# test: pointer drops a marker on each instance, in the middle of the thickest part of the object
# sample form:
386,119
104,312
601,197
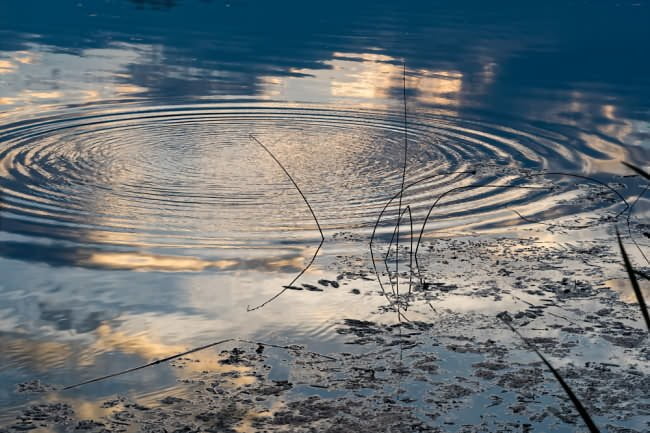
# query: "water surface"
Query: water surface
139,218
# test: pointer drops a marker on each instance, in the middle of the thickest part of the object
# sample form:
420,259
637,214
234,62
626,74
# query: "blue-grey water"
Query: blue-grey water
139,218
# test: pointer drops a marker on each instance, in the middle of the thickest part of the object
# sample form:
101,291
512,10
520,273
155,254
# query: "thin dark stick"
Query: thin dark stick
322,236
401,191
634,281
567,389
637,170
331,358
1,206
188,352
644,174
411,253
159,361
629,228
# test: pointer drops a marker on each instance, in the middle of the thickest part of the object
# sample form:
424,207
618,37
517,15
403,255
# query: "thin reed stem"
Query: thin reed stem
565,386
313,214
634,282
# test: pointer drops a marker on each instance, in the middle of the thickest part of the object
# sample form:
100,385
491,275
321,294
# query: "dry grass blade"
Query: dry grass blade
140,367
401,191
313,214
187,352
637,170
567,389
635,283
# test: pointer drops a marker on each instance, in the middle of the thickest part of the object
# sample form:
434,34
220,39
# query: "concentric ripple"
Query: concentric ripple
190,177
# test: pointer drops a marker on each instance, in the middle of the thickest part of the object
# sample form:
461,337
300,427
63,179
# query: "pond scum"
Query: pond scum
399,299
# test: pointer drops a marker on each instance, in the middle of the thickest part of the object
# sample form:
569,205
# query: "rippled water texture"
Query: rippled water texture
139,217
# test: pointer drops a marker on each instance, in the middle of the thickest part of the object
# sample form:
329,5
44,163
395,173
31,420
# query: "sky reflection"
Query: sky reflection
139,219
499,60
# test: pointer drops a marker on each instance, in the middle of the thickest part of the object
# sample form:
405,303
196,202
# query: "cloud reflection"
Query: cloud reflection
367,79
59,255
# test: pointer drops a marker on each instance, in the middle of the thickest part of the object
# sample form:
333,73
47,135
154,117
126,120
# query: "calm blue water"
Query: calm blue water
139,218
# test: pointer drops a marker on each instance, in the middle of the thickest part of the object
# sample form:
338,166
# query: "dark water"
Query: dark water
139,218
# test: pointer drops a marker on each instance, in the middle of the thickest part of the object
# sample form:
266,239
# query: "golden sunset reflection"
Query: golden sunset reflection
624,288
25,57
44,356
368,76
150,262
84,408
7,67
369,80
39,356
439,87
148,348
